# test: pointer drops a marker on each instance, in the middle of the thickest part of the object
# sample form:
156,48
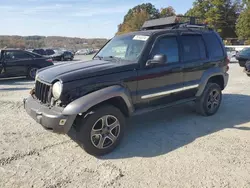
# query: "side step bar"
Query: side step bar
151,109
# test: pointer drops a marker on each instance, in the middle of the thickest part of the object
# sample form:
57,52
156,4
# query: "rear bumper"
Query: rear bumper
50,118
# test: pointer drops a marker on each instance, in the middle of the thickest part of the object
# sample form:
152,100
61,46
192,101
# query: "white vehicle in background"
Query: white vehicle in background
86,51
82,52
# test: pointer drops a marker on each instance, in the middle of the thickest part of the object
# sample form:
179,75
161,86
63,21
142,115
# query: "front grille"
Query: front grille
42,91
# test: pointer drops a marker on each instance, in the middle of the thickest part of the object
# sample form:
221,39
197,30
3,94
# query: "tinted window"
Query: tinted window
193,48
17,55
167,46
40,51
214,45
50,52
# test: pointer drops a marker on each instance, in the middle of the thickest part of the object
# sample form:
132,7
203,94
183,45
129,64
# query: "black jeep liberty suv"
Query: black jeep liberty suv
164,64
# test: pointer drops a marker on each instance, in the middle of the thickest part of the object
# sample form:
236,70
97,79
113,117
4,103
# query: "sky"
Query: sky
72,18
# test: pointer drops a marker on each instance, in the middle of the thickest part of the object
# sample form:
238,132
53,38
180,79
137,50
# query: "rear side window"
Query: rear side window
213,43
193,48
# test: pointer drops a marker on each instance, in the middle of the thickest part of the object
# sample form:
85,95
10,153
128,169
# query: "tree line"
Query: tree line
230,18
30,42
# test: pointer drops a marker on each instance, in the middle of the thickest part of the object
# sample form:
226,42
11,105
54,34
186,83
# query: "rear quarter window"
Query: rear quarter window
193,48
214,45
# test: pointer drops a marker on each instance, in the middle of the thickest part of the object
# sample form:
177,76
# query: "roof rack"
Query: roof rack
174,22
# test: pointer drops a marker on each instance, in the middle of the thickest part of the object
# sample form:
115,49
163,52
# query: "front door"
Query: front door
161,84
16,63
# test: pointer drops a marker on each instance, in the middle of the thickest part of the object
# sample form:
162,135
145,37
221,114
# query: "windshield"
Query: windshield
245,51
124,47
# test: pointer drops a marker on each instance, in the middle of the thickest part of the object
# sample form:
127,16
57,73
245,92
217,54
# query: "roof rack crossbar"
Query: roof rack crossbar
173,22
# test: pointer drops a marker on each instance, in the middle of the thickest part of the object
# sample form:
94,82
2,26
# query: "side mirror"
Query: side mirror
158,59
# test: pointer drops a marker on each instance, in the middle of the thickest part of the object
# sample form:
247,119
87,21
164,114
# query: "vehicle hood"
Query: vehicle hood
80,70
241,56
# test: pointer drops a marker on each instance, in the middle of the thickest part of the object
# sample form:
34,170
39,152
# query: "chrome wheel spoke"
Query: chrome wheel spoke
104,121
216,102
101,142
96,132
216,95
209,103
111,137
114,125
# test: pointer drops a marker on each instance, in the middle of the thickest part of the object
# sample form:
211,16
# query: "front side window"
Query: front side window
167,46
193,48
126,48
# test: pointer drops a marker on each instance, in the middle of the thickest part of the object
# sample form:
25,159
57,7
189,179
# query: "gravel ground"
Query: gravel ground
169,148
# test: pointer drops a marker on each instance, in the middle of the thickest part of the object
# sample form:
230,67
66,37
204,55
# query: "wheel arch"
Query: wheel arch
117,96
212,76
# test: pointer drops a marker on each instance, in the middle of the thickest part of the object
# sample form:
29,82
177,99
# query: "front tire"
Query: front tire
101,131
209,102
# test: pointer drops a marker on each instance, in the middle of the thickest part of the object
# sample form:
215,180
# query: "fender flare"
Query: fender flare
206,76
84,103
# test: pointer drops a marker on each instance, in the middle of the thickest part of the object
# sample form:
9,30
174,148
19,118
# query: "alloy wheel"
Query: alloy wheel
105,132
213,101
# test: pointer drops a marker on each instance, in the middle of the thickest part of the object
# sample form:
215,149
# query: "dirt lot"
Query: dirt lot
170,148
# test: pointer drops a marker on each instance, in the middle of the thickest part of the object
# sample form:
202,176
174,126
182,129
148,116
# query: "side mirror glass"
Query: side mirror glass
158,59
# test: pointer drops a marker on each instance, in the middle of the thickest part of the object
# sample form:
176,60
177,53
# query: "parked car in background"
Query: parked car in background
82,52
50,52
16,63
62,56
40,51
244,59
86,51
243,56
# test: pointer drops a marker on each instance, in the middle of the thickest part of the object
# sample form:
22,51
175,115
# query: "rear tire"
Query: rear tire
209,102
62,58
32,73
102,131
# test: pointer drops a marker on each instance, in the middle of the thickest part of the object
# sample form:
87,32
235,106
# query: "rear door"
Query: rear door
17,62
195,61
161,84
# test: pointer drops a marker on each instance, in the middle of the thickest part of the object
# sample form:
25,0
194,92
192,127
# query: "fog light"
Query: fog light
62,122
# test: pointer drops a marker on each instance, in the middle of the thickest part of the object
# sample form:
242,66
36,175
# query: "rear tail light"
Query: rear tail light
227,63
49,60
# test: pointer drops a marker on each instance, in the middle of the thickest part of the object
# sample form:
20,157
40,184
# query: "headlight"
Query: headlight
57,90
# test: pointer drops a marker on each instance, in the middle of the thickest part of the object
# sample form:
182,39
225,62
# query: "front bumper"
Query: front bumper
50,118
247,72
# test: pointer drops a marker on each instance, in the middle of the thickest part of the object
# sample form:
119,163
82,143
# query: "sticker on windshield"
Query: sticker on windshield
140,37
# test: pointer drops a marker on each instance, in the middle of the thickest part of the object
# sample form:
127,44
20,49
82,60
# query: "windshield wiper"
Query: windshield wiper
113,58
99,57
